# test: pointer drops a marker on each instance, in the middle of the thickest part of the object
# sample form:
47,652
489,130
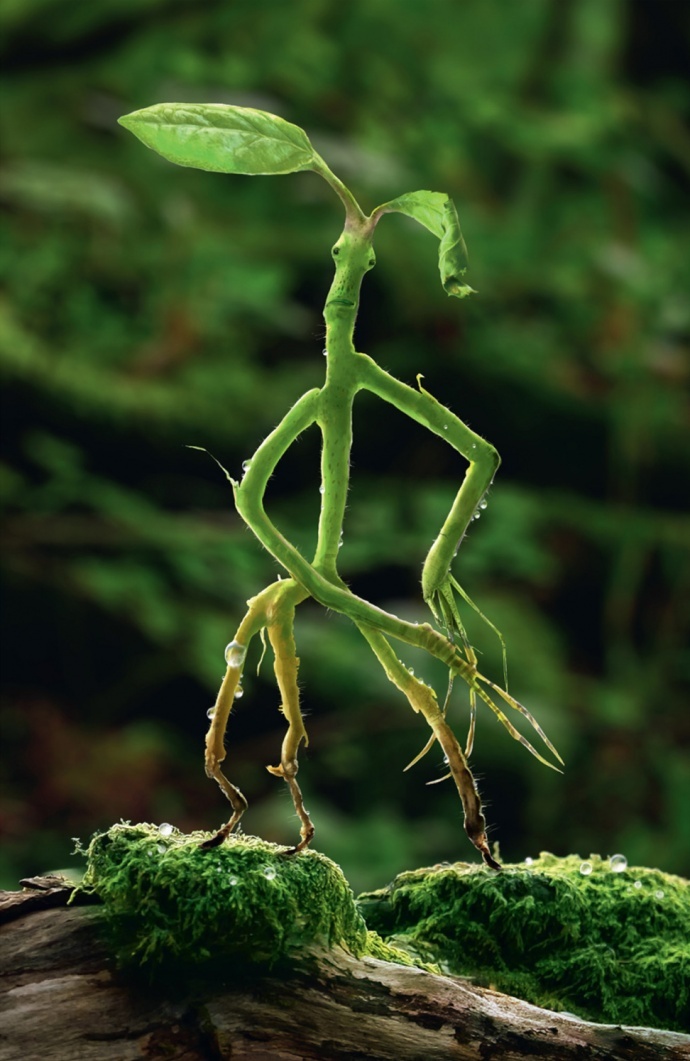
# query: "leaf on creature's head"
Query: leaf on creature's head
437,213
222,139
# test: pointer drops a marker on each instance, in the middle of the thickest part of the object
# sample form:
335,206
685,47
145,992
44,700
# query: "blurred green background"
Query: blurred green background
144,307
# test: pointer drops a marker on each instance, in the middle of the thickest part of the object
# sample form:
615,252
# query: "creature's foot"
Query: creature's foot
221,836
306,838
287,771
482,846
214,841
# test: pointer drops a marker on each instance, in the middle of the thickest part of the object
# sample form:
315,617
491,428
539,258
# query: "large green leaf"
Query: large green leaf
222,138
437,212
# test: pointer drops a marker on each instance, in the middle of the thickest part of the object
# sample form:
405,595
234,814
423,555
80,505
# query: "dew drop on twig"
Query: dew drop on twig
234,654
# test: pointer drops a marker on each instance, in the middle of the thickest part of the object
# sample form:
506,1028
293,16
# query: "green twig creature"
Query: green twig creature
230,139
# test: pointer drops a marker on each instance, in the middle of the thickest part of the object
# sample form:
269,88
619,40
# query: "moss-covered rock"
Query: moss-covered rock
606,941
169,902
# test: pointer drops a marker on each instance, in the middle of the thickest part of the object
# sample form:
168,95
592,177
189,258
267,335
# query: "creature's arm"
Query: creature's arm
483,458
249,496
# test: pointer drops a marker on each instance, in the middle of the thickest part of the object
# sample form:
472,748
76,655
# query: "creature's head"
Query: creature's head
354,256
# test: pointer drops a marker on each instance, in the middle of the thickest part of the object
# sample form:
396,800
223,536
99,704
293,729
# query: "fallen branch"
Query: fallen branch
62,997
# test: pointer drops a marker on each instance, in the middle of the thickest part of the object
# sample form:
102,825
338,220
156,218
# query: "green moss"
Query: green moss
387,951
167,902
609,946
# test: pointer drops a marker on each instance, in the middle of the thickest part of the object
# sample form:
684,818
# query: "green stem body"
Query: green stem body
331,408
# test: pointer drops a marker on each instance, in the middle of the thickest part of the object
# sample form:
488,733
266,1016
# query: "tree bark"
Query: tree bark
62,998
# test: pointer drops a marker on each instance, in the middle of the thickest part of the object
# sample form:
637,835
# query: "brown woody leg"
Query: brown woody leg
260,614
281,635
422,699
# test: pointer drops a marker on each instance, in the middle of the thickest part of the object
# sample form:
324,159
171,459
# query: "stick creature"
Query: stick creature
230,139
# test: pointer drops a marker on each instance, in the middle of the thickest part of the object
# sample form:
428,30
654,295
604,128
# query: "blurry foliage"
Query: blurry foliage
143,307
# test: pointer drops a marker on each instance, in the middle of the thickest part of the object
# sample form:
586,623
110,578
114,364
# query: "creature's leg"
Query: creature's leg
281,636
258,617
423,699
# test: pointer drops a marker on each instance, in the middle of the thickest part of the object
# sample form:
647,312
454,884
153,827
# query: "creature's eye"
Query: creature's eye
336,250
372,263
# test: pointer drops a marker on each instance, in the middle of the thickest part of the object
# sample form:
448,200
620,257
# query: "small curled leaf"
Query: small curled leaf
222,138
437,213
452,254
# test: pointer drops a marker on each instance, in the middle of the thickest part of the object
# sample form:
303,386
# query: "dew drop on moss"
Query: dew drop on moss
618,863
269,873
586,868
658,894
165,829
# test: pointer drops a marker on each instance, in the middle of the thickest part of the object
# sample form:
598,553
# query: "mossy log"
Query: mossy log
62,997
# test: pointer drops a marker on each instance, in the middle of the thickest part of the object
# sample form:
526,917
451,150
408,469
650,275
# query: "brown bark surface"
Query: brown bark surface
61,997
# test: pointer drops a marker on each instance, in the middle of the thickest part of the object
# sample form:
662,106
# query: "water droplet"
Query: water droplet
483,505
322,489
618,863
658,894
586,868
161,849
246,465
445,427
234,654
411,671
166,829
477,515
324,351
211,712
529,861
340,544
239,693
637,884
474,445
232,879
269,873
